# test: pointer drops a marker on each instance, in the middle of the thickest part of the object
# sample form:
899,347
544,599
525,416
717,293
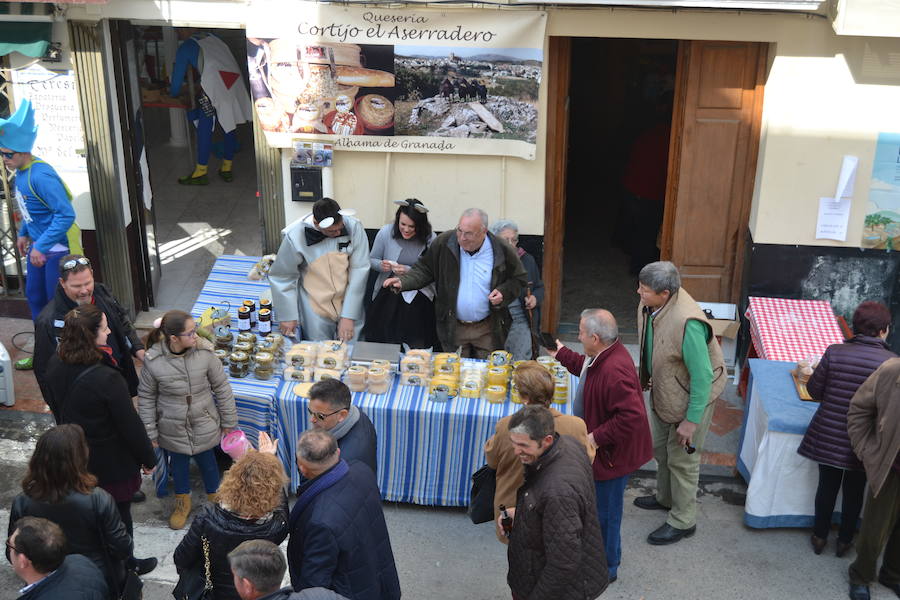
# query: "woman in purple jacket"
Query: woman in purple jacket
843,368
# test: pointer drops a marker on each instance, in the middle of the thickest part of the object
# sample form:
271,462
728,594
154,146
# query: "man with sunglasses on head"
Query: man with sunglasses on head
76,286
330,409
45,206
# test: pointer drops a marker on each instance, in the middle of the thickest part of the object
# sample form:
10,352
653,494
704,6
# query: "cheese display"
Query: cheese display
417,379
302,355
379,380
302,374
500,358
495,394
322,374
356,378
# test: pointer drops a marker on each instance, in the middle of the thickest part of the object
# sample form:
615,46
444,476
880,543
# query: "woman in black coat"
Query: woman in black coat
59,488
86,387
250,505
843,368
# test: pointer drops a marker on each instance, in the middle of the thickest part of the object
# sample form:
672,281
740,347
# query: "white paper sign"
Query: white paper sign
55,100
833,218
834,213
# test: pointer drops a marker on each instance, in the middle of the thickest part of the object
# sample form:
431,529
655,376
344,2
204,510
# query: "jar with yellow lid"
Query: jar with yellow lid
264,365
245,347
238,364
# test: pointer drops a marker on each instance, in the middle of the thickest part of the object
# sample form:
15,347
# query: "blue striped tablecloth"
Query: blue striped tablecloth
227,284
427,451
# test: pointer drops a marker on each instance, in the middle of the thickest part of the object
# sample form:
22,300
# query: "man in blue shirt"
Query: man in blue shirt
45,205
478,275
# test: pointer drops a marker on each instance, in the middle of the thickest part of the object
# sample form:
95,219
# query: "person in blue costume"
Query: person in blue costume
222,97
45,205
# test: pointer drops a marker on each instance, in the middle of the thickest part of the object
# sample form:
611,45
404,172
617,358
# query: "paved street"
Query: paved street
440,554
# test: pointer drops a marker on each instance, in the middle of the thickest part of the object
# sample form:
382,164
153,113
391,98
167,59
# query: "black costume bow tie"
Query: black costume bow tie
314,236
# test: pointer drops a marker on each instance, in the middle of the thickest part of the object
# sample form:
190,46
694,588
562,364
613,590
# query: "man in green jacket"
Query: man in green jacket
477,276
681,364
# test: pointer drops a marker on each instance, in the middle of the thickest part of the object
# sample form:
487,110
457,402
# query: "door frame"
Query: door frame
559,64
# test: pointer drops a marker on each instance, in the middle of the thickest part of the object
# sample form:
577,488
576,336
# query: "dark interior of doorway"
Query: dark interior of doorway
196,224
620,113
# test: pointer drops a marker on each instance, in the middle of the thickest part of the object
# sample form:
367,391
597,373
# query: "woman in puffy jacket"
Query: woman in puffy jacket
59,488
842,369
251,505
186,404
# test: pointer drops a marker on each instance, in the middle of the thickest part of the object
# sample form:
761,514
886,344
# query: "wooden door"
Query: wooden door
712,164
559,68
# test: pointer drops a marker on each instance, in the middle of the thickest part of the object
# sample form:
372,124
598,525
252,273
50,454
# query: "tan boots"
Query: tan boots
181,511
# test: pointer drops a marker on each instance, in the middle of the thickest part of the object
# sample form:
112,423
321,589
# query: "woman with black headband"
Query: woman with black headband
407,317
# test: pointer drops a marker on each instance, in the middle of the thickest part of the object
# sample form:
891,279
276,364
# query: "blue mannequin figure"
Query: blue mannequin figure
222,97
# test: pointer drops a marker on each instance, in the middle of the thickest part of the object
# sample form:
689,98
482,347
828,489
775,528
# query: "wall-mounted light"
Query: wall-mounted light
54,52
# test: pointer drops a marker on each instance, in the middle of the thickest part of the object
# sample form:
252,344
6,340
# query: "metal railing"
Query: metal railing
12,277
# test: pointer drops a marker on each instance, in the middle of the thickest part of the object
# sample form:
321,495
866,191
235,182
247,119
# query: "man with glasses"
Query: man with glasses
478,275
330,409
36,549
76,286
45,205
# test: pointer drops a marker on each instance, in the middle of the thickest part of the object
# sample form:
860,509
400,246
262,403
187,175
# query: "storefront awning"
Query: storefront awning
805,5
30,39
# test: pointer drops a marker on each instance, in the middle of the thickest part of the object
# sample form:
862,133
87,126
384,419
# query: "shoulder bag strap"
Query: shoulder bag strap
207,571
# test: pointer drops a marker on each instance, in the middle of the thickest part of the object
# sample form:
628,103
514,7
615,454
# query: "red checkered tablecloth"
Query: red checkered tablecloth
792,330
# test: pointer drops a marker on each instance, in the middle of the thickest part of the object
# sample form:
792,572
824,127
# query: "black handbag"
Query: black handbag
120,576
481,506
195,583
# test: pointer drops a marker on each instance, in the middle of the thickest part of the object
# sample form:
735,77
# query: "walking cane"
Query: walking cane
530,313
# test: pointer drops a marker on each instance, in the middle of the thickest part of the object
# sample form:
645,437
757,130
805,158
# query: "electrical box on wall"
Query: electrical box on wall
306,184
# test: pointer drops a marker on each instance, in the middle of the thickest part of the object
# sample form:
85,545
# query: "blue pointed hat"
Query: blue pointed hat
19,131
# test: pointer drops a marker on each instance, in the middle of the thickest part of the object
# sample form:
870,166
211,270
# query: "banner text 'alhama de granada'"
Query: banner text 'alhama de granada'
397,80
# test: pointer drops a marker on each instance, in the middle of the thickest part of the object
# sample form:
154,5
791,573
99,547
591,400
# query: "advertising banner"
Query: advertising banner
881,228
397,80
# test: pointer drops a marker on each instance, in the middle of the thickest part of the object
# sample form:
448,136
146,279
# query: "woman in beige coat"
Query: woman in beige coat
535,386
186,404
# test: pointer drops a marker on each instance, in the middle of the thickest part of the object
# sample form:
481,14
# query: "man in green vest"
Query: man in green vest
681,364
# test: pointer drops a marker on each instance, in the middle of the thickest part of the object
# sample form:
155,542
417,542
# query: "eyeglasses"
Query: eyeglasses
191,333
322,416
466,234
12,548
9,155
71,264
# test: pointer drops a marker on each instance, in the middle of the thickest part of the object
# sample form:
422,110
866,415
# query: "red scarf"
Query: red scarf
108,351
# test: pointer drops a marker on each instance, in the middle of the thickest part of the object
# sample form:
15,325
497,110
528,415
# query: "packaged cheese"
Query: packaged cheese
415,379
322,374
500,358
298,374
495,394
413,364
356,379
498,376
302,355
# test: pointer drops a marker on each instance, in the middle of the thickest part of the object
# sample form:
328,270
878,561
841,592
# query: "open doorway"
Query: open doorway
620,107
194,224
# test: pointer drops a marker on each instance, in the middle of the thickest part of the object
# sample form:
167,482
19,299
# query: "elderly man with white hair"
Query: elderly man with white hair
477,276
519,341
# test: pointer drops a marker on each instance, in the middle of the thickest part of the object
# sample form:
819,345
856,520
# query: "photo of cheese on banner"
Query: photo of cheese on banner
326,88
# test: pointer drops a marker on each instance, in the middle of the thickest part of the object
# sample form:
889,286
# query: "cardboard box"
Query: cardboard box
725,326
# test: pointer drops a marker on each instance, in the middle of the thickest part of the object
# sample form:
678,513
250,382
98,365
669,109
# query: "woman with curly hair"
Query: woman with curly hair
251,505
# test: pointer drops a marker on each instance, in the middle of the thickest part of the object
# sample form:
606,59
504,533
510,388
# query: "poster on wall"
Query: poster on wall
881,228
55,100
397,80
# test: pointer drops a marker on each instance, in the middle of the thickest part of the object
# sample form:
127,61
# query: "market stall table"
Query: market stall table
781,484
427,450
